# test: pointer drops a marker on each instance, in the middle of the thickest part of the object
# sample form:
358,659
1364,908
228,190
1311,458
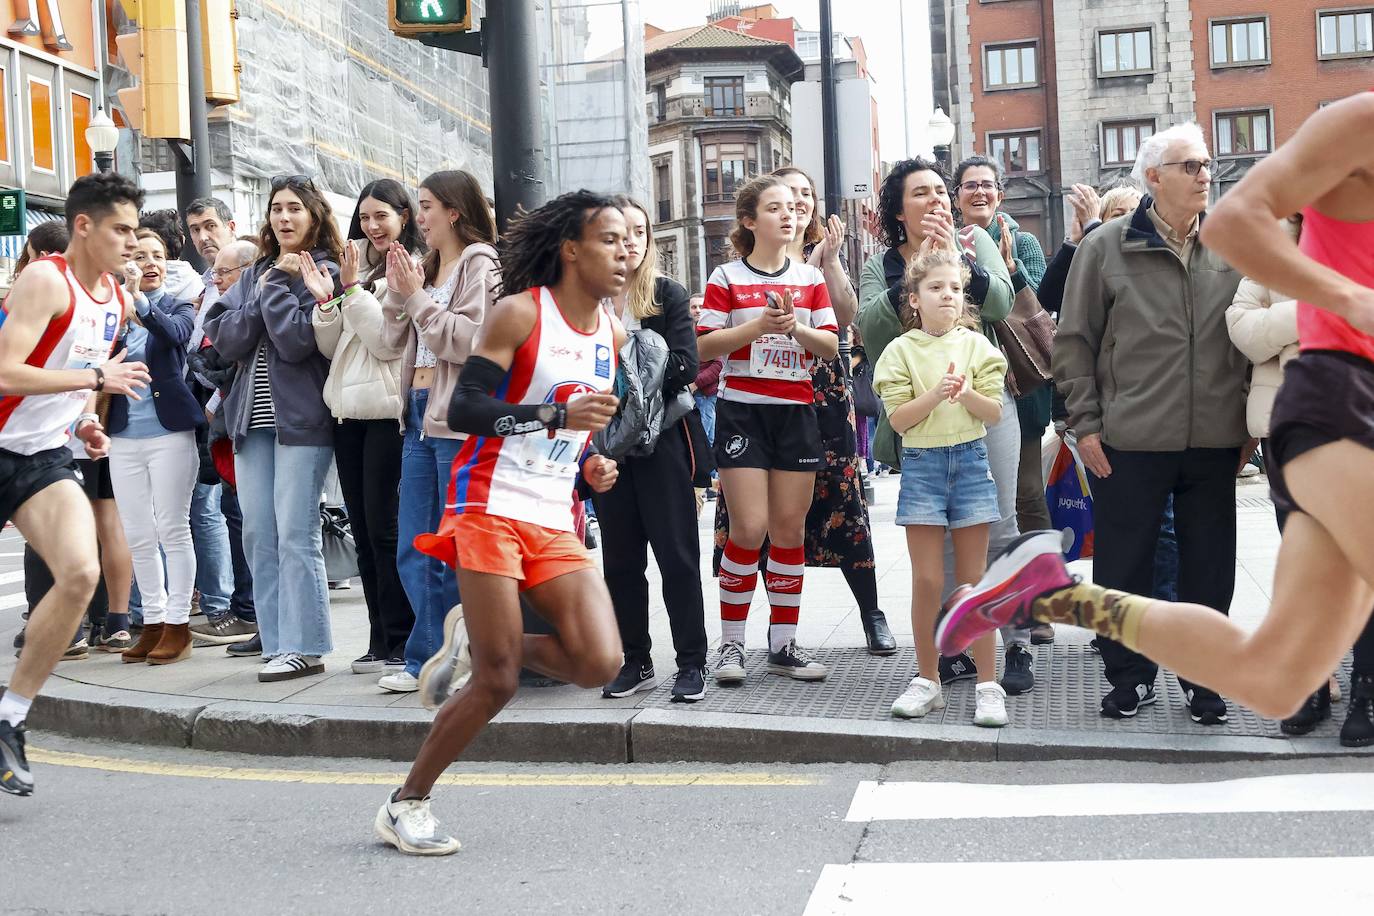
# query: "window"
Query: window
660,102
1240,42
728,165
724,96
667,257
42,136
83,162
1124,53
1243,133
1019,153
1121,140
1009,66
1345,33
4,117
663,191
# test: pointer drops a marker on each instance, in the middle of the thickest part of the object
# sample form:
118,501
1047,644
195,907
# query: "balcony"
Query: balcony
758,106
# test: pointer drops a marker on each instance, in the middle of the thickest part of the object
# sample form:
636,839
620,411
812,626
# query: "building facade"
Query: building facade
719,111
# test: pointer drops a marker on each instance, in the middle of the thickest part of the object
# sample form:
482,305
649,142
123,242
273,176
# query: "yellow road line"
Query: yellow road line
325,777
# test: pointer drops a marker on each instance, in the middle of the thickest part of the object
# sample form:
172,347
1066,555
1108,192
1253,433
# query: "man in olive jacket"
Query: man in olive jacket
1156,394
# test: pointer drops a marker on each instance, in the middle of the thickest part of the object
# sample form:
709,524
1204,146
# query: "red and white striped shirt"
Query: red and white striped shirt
774,369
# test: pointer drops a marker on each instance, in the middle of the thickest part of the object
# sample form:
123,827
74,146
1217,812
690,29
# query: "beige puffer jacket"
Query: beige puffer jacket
364,380
1264,326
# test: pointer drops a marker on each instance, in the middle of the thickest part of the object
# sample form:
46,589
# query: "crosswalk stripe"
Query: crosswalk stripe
10,578
953,800
1118,886
13,601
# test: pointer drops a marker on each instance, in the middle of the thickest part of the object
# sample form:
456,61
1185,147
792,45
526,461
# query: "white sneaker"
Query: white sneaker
410,827
730,665
922,696
290,665
992,705
400,682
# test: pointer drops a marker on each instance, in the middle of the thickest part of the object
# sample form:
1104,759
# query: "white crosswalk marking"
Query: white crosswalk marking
8,602
941,800
1173,885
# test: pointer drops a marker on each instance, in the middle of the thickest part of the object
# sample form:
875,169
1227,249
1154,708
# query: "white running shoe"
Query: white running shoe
400,682
448,670
410,827
992,705
922,696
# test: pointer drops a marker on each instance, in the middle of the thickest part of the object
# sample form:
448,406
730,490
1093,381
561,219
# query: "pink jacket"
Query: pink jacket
448,331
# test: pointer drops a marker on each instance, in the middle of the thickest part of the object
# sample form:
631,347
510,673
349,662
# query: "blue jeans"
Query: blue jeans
426,463
279,492
706,407
214,579
241,603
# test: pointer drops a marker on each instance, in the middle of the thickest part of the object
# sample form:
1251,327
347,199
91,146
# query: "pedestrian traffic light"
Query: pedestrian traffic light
157,105
220,50
413,17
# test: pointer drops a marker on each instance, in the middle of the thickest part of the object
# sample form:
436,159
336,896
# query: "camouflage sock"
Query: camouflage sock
1113,614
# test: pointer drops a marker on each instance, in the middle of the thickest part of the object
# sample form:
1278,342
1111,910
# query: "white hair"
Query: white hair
1151,154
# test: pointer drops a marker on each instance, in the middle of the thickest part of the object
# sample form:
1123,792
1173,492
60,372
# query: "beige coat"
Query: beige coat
364,381
1264,326
447,330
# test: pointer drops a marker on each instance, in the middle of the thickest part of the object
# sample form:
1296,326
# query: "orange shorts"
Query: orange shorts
528,553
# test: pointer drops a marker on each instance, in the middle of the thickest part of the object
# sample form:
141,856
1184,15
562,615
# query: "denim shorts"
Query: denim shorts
950,486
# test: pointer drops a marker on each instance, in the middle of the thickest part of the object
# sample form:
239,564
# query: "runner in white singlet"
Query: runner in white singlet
60,322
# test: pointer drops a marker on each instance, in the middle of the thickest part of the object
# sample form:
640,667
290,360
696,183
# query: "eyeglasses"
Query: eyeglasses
216,273
292,181
1192,166
972,187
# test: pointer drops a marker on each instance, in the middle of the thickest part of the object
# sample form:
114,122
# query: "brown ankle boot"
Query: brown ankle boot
152,633
174,646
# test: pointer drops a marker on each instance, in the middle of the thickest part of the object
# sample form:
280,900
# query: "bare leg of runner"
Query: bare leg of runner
58,524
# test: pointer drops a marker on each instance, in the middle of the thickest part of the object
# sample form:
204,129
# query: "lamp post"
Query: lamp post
941,131
102,136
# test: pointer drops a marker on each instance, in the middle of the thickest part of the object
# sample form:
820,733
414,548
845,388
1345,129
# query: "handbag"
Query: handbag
1027,339
340,553
865,398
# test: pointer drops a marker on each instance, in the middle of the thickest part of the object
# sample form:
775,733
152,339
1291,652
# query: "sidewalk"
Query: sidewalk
215,702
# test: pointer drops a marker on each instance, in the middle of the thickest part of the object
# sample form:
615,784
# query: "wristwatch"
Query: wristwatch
553,416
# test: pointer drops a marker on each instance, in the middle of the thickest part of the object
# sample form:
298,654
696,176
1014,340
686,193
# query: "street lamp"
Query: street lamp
102,136
941,131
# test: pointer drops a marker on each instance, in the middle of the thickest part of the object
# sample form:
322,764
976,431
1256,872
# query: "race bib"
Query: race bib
778,356
554,456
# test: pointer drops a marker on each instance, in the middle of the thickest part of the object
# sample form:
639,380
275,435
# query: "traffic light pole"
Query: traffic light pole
193,159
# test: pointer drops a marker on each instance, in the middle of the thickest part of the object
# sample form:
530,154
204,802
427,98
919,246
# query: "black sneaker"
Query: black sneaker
794,662
1358,730
19,638
959,668
1316,710
635,675
246,649
1124,702
224,630
1018,677
1205,707
689,685
15,777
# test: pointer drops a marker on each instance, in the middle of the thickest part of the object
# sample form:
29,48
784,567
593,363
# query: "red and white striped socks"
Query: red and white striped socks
783,581
739,575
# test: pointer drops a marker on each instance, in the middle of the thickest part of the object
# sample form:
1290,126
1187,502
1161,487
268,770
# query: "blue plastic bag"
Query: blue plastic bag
1070,500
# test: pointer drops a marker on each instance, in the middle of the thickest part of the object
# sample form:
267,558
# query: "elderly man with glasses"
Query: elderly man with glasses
1156,394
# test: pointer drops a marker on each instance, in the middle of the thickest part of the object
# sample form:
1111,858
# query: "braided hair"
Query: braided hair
531,248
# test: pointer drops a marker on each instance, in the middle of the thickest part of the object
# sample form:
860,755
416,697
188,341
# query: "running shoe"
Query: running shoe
730,664
289,666
444,672
116,642
1018,675
15,777
991,710
1029,567
922,696
959,668
1205,706
399,682
689,685
368,664
635,675
1125,702
246,649
224,630
795,662
410,826
77,651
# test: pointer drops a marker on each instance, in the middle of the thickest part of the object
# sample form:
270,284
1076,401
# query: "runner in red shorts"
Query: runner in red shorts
1322,443
535,388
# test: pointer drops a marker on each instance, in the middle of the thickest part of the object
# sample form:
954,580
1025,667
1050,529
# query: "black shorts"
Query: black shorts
1326,396
95,478
773,437
23,476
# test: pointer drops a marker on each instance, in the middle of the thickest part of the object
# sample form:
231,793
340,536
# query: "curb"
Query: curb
615,735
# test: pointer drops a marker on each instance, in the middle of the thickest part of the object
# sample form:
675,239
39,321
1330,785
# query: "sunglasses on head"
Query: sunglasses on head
292,181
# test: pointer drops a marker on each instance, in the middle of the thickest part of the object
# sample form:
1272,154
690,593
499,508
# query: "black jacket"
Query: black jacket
674,324
169,323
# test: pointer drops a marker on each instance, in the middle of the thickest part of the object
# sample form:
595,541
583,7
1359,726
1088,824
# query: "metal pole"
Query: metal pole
104,162
193,173
517,151
829,119
906,98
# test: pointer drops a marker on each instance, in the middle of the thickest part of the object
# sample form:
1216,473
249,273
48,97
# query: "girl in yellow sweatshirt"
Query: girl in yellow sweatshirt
940,383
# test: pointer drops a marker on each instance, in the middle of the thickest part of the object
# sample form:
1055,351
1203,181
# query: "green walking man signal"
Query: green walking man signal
411,17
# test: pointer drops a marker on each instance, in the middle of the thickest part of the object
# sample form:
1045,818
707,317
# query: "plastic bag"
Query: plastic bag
1070,500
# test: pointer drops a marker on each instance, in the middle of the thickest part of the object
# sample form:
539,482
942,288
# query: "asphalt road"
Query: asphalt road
120,829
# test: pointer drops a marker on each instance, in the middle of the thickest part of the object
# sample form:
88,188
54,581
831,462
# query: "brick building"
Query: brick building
1063,91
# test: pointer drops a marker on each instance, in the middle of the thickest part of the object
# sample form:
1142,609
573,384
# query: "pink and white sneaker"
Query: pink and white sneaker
1029,567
